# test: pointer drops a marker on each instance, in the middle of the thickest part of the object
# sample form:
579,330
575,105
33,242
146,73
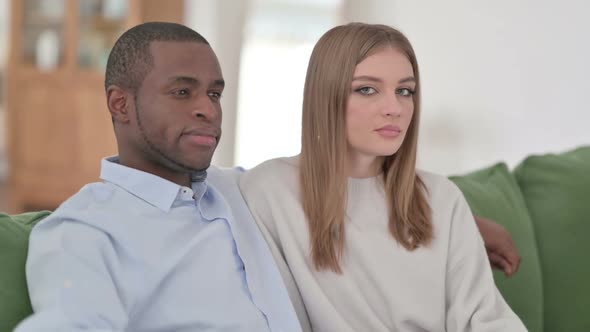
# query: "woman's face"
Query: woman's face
380,106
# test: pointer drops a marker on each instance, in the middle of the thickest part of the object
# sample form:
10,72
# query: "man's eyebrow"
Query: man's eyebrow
194,81
184,79
219,82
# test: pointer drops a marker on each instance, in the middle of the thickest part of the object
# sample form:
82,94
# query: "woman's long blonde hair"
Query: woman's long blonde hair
324,146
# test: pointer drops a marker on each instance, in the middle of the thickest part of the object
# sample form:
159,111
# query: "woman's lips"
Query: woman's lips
389,131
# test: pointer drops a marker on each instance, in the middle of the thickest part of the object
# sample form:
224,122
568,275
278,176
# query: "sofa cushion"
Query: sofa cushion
493,193
556,188
14,238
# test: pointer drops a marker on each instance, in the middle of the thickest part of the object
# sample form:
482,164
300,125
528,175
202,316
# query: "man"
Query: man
160,244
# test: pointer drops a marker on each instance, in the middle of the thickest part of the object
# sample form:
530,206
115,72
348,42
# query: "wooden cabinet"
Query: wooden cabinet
58,124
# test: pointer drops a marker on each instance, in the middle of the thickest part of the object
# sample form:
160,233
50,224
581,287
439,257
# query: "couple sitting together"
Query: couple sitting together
346,236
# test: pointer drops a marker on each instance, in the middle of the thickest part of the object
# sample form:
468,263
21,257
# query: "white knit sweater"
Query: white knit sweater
447,286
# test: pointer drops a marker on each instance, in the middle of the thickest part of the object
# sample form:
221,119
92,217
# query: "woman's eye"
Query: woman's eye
405,92
366,90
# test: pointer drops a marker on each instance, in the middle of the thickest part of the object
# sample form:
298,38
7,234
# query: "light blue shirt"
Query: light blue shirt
139,253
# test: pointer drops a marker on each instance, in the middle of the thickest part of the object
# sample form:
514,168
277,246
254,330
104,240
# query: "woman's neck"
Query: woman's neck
361,166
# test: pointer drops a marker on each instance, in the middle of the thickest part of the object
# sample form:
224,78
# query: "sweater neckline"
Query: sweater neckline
358,186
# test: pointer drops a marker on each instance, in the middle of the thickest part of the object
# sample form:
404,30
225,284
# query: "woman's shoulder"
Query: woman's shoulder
285,166
278,172
438,186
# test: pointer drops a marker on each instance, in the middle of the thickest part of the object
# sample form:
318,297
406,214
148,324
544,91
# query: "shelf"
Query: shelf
41,124
100,22
35,19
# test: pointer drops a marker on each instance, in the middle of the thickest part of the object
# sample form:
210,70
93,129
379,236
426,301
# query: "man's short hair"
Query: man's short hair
130,59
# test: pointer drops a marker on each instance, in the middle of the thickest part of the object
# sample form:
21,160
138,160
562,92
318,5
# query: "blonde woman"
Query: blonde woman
365,241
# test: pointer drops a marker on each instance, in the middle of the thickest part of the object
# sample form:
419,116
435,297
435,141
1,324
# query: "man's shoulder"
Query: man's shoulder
222,174
224,179
89,197
94,205
85,214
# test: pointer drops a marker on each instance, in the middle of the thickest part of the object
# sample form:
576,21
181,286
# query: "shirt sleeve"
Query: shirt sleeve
473,301
260,209
71,274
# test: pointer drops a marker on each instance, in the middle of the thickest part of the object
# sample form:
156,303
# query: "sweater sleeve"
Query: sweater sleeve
473,301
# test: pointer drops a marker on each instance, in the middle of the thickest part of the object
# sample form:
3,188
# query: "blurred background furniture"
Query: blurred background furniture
57,119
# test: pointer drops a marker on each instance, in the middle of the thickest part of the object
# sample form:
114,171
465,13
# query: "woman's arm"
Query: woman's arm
473,302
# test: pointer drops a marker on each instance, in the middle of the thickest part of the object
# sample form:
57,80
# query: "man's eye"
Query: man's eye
182,92
366,90
215,95
405,92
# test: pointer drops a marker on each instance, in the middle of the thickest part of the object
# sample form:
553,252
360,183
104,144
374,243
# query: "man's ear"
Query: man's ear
119,101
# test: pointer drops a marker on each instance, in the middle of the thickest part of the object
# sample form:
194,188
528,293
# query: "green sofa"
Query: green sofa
544,202
14,239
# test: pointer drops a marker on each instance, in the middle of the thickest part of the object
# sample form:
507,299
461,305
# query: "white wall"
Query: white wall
501,79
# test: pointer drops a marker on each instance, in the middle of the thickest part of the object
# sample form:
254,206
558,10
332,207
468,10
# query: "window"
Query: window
279,39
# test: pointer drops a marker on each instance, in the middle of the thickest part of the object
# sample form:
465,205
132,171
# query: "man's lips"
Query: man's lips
202,137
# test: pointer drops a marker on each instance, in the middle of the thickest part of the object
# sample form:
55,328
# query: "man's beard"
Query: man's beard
176,165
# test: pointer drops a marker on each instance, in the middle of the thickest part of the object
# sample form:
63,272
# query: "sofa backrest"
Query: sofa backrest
14,238
556,189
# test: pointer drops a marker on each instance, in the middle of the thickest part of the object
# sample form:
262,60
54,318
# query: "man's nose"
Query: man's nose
206,108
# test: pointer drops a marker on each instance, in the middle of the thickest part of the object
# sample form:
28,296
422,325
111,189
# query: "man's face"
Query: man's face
177,108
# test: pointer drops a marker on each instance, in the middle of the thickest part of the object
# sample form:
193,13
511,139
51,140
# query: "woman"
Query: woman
370,243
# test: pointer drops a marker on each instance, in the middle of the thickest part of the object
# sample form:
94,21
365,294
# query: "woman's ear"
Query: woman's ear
118,101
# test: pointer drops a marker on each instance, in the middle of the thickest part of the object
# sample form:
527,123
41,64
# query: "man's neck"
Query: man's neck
182,178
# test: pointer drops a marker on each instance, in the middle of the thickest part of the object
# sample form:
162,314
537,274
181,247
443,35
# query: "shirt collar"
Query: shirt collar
151,188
